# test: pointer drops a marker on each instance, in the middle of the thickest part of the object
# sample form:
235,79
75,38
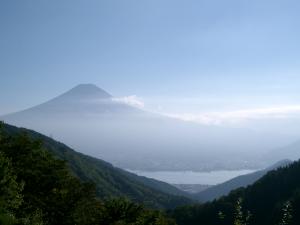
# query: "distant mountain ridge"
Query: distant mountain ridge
225,188
290,152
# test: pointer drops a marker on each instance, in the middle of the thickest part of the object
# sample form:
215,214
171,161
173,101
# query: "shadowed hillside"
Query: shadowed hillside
220,190
271,200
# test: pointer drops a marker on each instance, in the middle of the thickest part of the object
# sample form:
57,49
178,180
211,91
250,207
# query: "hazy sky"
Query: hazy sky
176,56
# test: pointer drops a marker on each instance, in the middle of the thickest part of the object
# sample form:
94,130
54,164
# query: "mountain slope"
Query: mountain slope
241,181
110,181
289,152
93,122
38,189
266,200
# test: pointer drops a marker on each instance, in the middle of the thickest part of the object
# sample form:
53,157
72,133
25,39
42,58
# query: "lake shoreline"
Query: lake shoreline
191,177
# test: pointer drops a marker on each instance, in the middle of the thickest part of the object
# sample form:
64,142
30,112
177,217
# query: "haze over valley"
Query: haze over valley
98,124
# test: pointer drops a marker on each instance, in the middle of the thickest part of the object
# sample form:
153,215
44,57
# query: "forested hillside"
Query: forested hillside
109,181
274,199
223,189
38,189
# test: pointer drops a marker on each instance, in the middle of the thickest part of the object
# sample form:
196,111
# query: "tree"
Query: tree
286,214
10,192
240,217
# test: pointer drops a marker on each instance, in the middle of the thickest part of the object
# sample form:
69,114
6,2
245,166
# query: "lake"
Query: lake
191,177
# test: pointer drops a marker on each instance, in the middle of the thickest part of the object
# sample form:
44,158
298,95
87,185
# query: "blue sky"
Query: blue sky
177,56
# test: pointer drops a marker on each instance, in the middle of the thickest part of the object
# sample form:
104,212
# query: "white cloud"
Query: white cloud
131,100
240,116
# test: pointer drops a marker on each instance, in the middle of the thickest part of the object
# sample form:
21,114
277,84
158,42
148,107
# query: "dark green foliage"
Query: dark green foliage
50,191
265,200
240,217
10,192
121,211
38,189
287,212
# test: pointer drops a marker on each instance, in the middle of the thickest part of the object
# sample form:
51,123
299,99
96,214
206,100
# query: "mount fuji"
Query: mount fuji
91,121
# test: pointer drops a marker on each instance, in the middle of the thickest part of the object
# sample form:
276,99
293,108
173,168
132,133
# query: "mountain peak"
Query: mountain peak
86,86
87,91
